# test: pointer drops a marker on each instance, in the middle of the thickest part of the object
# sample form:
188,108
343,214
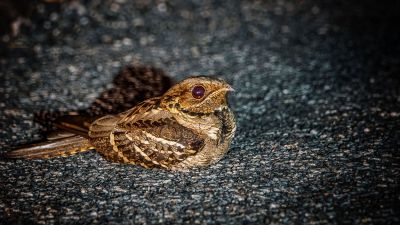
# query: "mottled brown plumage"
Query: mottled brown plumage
190,125
132,85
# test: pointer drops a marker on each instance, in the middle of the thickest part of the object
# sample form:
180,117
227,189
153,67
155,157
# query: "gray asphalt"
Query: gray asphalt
317,104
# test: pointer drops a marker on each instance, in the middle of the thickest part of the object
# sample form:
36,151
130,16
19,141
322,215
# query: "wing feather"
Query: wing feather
145,135
156,143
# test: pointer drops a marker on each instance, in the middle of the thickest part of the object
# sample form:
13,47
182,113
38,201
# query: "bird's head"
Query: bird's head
197,95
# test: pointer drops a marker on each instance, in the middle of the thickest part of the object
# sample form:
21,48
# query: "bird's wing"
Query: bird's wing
152,137
149,109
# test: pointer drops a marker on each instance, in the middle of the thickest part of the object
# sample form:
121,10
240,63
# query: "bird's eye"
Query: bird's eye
198,91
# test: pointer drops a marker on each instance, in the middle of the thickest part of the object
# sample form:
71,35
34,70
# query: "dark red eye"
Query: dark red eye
198,91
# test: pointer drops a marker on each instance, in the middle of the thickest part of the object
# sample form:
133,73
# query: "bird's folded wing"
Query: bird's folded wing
160,142
147,110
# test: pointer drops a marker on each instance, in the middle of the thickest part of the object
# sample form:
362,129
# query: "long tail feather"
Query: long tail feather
53,148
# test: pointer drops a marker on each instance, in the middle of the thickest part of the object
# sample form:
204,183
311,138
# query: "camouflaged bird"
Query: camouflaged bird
190,125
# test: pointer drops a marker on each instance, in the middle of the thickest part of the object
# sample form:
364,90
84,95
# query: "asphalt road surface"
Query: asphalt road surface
317,103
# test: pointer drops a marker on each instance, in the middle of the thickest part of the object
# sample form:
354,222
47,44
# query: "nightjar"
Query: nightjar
190,125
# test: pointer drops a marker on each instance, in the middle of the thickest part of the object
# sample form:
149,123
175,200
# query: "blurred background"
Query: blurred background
317,103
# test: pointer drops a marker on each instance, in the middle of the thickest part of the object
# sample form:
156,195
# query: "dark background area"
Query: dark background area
317,104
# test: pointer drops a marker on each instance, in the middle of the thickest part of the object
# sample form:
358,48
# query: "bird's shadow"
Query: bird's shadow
131,85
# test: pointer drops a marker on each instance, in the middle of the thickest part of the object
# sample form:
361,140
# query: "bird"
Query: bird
190,125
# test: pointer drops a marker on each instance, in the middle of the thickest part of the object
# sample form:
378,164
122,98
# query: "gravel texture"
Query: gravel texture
317,103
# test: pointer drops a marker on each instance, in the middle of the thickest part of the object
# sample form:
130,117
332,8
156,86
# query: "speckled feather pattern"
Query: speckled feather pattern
176,131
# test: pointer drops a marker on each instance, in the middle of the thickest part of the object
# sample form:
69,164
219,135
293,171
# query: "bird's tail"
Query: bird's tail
64,146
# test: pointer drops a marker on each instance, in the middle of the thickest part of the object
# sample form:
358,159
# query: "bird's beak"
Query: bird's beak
227,87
